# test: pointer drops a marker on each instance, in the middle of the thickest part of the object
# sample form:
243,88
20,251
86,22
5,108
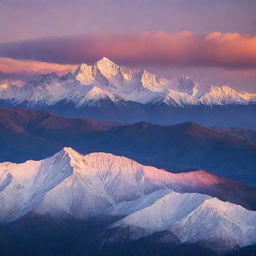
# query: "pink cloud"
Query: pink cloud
217,49
182,49
29,68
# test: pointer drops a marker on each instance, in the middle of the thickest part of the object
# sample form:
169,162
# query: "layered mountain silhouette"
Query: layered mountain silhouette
36,134
27,134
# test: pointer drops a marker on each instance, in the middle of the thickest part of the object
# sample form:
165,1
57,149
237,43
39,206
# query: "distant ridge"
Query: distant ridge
31,134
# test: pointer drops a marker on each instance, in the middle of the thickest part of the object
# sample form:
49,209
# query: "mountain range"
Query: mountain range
135,201
36,134
107,160
106,91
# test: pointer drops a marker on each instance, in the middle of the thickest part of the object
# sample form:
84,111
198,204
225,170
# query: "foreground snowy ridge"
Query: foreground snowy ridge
147,199
105,80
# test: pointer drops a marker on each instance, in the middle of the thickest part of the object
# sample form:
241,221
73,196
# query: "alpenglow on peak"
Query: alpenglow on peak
121,85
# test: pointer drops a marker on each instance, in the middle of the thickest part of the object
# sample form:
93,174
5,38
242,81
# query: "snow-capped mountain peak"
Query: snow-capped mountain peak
5,85
222,95
195,218
72,185
70,152
120,84
107,67
104,61
82,68
84,74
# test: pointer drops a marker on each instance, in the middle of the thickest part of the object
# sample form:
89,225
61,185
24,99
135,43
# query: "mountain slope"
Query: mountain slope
112,178
182,146
247,134
71,186
38,134
188,216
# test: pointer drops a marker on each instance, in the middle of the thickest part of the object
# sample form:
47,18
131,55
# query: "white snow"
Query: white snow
195,218
117,83
69,184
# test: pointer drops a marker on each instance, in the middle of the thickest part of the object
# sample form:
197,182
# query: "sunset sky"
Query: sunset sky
214,42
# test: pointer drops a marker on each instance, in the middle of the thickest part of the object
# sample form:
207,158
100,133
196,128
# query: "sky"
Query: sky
214,42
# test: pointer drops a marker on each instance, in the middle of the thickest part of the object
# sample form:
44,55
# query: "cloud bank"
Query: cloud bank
229,50
27,68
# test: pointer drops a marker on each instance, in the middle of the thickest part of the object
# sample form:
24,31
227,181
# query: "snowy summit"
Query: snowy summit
106,80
